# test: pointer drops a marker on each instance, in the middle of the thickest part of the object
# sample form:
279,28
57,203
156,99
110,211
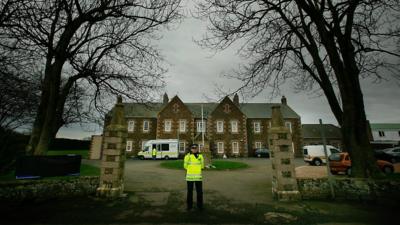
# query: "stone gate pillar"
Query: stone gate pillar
284,184
113,158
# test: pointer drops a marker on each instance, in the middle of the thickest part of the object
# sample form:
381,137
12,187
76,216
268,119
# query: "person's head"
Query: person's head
194,148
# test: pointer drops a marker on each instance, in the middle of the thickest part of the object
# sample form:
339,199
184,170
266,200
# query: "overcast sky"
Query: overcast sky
194,73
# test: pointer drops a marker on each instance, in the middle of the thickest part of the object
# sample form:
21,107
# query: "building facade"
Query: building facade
230,128
385,131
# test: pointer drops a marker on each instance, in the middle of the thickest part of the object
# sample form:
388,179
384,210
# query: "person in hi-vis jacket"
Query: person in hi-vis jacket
194,164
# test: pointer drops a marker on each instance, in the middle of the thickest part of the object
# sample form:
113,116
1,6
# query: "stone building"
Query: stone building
231,128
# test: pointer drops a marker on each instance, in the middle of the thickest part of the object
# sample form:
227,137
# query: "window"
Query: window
200,126
143,143
220,126
289,125
182,146
257,144
334,150
131,126
146,127
220,147
167,125
129,146
335,157
381,133
182,126
164,147
257,127
234,126
235,147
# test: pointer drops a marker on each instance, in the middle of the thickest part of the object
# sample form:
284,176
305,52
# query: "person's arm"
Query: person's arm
186,161
202,162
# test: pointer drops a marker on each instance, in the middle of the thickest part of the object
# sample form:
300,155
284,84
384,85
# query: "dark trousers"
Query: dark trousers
199,194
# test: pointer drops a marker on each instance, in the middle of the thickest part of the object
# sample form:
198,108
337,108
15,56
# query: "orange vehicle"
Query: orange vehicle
340,162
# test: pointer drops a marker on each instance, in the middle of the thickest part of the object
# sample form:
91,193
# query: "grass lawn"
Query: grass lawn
83,153
86,170
218,164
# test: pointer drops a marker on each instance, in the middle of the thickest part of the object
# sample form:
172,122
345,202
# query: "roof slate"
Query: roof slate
148,110
264,110
314,131
251,110
385,126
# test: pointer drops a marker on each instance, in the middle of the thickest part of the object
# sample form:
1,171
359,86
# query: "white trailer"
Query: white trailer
166,149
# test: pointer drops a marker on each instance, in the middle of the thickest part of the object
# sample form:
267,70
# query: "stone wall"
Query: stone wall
20,190
350,188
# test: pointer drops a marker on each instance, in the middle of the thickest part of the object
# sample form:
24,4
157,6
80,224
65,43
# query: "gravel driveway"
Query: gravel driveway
251,185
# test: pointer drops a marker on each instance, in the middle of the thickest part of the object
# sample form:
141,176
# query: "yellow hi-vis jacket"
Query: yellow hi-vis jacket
154,152
193,167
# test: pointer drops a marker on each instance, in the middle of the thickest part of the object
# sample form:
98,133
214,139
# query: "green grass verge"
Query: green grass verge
83,153
218,164
86,170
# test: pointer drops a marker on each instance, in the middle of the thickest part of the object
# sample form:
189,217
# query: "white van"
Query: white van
314,154
166,149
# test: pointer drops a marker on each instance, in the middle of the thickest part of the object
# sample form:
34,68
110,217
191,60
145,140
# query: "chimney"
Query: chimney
283,100
165,99
236,99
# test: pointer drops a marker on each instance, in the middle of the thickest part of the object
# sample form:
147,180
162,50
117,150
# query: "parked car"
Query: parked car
340,162
390,154
262,152
314,154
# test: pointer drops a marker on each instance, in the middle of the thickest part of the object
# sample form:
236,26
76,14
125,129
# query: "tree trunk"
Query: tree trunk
36,129
354,128
45,122
41,113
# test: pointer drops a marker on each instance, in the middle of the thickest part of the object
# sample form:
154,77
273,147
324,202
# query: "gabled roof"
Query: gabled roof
251,110
385,126
314,131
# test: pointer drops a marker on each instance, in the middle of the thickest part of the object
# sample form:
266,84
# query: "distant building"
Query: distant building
230,127
312,134
385,131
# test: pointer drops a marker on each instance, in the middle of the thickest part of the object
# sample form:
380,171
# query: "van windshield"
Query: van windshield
146,149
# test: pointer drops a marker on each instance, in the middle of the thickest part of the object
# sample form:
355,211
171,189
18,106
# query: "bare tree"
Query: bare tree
18,95
102,48
331,43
